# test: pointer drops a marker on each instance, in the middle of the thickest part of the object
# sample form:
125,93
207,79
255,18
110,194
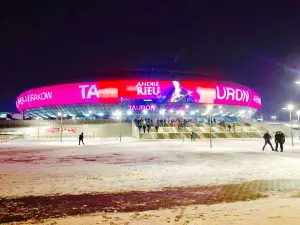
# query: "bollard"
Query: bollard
183,137
120,137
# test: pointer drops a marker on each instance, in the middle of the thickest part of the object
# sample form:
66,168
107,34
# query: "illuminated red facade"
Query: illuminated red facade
139,91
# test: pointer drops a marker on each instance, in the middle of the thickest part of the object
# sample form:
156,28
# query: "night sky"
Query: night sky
50,42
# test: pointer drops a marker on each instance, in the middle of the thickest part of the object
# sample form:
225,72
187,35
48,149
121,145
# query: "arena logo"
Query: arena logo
88,91
43,96
148,88
233,94
142,107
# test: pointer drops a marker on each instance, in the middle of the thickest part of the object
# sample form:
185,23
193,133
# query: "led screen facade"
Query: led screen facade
138,92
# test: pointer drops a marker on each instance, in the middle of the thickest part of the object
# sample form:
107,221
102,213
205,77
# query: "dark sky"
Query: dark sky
48,42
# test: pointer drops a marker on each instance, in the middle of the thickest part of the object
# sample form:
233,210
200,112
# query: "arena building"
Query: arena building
152,98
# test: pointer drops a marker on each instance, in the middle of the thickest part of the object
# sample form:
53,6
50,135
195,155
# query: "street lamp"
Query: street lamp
209,108
290,108
242,116
162,112
153,109
298,114
38,131
59,114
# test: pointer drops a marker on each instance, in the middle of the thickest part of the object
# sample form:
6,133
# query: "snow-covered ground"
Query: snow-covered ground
43,167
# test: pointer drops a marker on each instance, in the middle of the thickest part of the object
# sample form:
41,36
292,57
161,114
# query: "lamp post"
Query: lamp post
242,127
290,109
209,108
59,114
38,131
298,114
163,118
153,109
162,112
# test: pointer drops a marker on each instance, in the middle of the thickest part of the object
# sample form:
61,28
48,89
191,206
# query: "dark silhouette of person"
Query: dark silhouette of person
81,138
140,127
279,140
148,127
144,125
156,127
193,135
267,138
229,127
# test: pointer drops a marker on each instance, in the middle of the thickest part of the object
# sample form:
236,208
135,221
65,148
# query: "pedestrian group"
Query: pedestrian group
279,141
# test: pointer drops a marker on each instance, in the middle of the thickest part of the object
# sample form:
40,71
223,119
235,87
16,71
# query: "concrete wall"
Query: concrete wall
104,129
33,123
52,131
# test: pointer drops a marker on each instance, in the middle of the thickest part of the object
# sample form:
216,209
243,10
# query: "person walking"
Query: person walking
229,127
148,127
267,138
157,127
140,127
144,125
81,138
193,135
281,140
277,140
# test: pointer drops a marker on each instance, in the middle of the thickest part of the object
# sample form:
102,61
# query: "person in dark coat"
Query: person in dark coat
267,138
277,140
144,123
81,138
156,127
148,127
229,127
281,140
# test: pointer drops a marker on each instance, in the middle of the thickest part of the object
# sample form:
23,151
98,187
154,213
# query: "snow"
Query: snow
43,167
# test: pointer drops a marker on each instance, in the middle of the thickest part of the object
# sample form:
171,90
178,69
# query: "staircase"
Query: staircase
203,131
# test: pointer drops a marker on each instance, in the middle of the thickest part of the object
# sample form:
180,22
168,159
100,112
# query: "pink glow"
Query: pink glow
236,95
139,91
